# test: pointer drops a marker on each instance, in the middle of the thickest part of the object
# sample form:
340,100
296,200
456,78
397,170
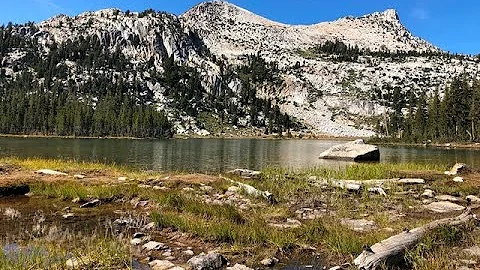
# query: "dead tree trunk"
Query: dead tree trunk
393,249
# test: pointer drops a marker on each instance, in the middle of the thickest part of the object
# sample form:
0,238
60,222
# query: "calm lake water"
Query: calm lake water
202,155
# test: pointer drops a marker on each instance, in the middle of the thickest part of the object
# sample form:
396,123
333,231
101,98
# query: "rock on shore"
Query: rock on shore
353,151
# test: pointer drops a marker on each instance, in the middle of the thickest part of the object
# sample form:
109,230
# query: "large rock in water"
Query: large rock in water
354,151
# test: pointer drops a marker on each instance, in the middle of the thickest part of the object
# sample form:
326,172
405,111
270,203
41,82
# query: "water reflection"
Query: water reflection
203,155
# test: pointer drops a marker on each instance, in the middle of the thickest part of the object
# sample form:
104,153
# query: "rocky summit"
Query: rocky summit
219,67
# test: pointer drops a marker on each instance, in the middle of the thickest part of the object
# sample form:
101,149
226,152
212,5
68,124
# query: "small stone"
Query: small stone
468,262
188,252
428,193
143,203
448,198
161,264
239,267
90,204
473,199
206,188
359,225
233,189
152,245
149,226
144,186
167,254
473,251
269,262
389,230
157,187
188,189
79,176
12,213
138,235
136,241
75,263
411,181
458,179
377,190
76,200
51,172
68,215
170,258
207,262
123,178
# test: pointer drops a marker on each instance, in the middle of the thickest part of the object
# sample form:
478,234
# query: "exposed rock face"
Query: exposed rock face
330,97
354,151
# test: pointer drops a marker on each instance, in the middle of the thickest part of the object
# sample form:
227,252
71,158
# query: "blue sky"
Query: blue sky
451,25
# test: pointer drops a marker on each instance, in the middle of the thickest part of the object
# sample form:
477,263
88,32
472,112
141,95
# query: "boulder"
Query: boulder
353,151
444,207
458,169
210,261
448,198
458,179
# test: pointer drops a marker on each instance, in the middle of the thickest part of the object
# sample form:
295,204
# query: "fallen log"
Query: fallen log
251,191
392,250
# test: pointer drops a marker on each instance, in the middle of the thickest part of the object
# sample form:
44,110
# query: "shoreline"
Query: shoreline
452,145
256,215
186,137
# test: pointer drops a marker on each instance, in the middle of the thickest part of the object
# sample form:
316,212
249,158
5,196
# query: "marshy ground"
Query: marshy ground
310,223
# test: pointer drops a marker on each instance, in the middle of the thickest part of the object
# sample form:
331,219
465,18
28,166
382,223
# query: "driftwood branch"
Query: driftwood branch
393,249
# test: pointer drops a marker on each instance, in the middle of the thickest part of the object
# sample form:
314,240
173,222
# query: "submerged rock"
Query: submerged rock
353,151
211,261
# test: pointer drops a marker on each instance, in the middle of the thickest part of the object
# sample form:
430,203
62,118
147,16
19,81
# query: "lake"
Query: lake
212,155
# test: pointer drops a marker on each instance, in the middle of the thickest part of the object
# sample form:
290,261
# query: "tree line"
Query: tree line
45,96
452,116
